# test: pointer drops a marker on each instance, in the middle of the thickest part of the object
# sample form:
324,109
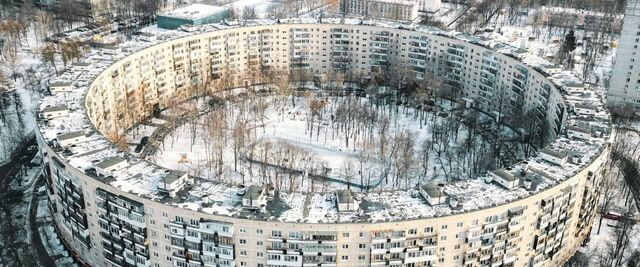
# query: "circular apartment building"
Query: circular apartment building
113,208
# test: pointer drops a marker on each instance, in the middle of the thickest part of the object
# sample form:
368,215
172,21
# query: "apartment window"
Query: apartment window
345,234
361,257
444,227
243,241
192,233
164,215
362,246
443,238
276,233
361,234
259,231
345,246
459,224
179,219
259,243
428,229
345,257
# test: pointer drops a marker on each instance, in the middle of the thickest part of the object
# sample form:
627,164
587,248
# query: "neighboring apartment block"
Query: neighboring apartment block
624,88
429,6
403,10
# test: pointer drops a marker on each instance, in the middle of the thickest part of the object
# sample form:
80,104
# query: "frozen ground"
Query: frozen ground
260,6
600,244
343,152
27,92
48,236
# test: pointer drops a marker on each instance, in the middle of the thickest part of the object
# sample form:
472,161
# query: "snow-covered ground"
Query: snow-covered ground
261,7
48,236
354,152
28,90
600,244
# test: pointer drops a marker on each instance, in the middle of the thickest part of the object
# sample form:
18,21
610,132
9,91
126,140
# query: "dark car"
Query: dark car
138,148
144,141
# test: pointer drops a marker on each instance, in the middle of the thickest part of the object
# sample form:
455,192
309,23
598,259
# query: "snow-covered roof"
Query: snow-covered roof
194,12
55,109
554,153
109,162
71,135
142,178
173,176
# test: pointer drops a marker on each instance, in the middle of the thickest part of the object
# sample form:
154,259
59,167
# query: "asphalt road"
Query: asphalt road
43,257
16,251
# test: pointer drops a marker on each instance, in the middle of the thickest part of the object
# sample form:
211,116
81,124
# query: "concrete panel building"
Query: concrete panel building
429,6
402,10
539,218
624,87
192,15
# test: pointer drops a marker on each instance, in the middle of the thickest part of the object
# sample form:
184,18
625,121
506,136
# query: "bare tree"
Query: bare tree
49,56
249,13
607,187
615,251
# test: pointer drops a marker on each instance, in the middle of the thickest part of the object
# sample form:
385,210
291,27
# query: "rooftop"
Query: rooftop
555,153
578,129
253,192
432,190
172,176
345,196
60,84
82,64
70,135
142,178
109,162
54,109
502,173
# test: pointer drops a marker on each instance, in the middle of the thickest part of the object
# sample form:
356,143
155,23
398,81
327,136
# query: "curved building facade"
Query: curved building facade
114,209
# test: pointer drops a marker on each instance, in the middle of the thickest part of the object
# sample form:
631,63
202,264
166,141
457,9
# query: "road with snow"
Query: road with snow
17,248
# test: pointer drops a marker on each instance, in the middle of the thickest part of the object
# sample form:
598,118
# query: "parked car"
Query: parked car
612,215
